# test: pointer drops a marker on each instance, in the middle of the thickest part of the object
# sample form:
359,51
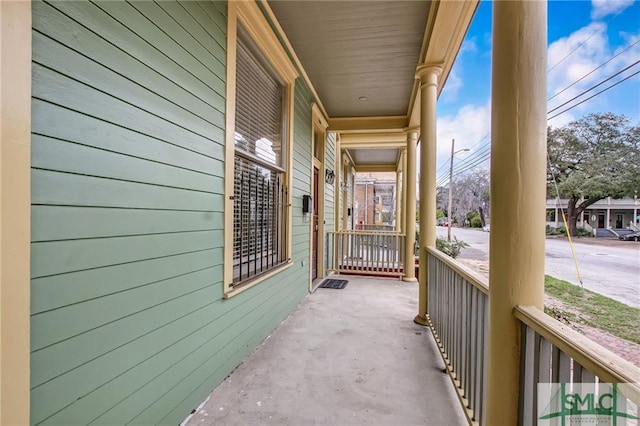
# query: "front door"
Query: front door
600,220
619,221
314,226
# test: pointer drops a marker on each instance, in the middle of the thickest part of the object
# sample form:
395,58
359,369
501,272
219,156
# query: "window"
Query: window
260,80
318,145
260,195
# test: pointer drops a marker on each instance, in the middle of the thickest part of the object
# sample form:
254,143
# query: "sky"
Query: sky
582,35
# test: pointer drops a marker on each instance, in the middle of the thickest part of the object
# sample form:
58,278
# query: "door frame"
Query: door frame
319,126
315,238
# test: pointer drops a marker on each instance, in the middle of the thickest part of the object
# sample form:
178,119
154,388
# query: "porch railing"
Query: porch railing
366,252
551,352
554,353
371,227
459,314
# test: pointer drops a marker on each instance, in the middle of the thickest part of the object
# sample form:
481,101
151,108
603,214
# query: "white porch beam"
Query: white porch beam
372,168
373,140
368,124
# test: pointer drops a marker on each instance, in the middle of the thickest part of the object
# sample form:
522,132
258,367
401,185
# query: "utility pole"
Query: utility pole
453,152
453,144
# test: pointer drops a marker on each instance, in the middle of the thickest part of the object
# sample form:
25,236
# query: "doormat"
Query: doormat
336,284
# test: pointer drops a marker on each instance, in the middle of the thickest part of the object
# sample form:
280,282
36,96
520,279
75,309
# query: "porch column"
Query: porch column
403,225
15,211
608,220
428,75
345,196
410,206
518,191
397,212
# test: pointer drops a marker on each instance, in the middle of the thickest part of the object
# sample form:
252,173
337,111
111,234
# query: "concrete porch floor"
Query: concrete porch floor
343,357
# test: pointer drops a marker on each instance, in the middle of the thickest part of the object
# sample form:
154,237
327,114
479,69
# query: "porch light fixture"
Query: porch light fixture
329,176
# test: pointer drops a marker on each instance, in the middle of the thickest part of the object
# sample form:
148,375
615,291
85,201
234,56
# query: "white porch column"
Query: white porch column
428,75
397,207
410,206
403,225
518,191
15,211
607,224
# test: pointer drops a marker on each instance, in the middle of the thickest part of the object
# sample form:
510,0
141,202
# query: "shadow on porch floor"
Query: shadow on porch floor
343,357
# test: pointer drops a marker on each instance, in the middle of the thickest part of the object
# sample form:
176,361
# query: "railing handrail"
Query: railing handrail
359,232
470,275
603,363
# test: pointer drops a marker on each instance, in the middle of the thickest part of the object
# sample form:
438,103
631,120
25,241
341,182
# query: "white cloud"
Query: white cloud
453,86
469,45
602,8
454,81
570,63
468,126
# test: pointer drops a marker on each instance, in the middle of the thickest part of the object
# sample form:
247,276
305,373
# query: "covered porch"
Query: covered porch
342,357
443,347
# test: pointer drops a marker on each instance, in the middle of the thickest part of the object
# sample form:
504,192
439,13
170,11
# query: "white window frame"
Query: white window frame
258,29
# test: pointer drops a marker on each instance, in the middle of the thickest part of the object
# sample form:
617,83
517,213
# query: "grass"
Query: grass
593,309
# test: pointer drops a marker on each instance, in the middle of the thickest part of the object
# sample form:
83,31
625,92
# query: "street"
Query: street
609,270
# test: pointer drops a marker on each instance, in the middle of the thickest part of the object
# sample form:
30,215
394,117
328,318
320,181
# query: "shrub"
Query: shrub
584,233
450,248
560,230
476,222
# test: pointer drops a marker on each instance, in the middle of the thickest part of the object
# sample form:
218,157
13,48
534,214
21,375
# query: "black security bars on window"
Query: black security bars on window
260,202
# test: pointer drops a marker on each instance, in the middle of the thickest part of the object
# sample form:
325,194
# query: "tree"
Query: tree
590,159
470,194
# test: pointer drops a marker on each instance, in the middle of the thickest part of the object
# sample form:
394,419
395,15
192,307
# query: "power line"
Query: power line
594,70
462,165
484,153
593,96
593,87
487,153
466,168
584,41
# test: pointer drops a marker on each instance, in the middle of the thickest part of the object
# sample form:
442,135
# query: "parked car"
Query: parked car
634,236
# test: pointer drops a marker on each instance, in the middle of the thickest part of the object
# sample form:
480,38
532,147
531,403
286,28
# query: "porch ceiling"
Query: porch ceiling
355,49
375,159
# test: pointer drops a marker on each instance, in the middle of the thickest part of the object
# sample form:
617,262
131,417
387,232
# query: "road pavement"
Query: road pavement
611,270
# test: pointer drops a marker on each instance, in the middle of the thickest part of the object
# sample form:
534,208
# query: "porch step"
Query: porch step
602,232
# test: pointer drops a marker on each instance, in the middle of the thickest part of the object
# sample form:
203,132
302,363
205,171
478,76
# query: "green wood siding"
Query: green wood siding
128,322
